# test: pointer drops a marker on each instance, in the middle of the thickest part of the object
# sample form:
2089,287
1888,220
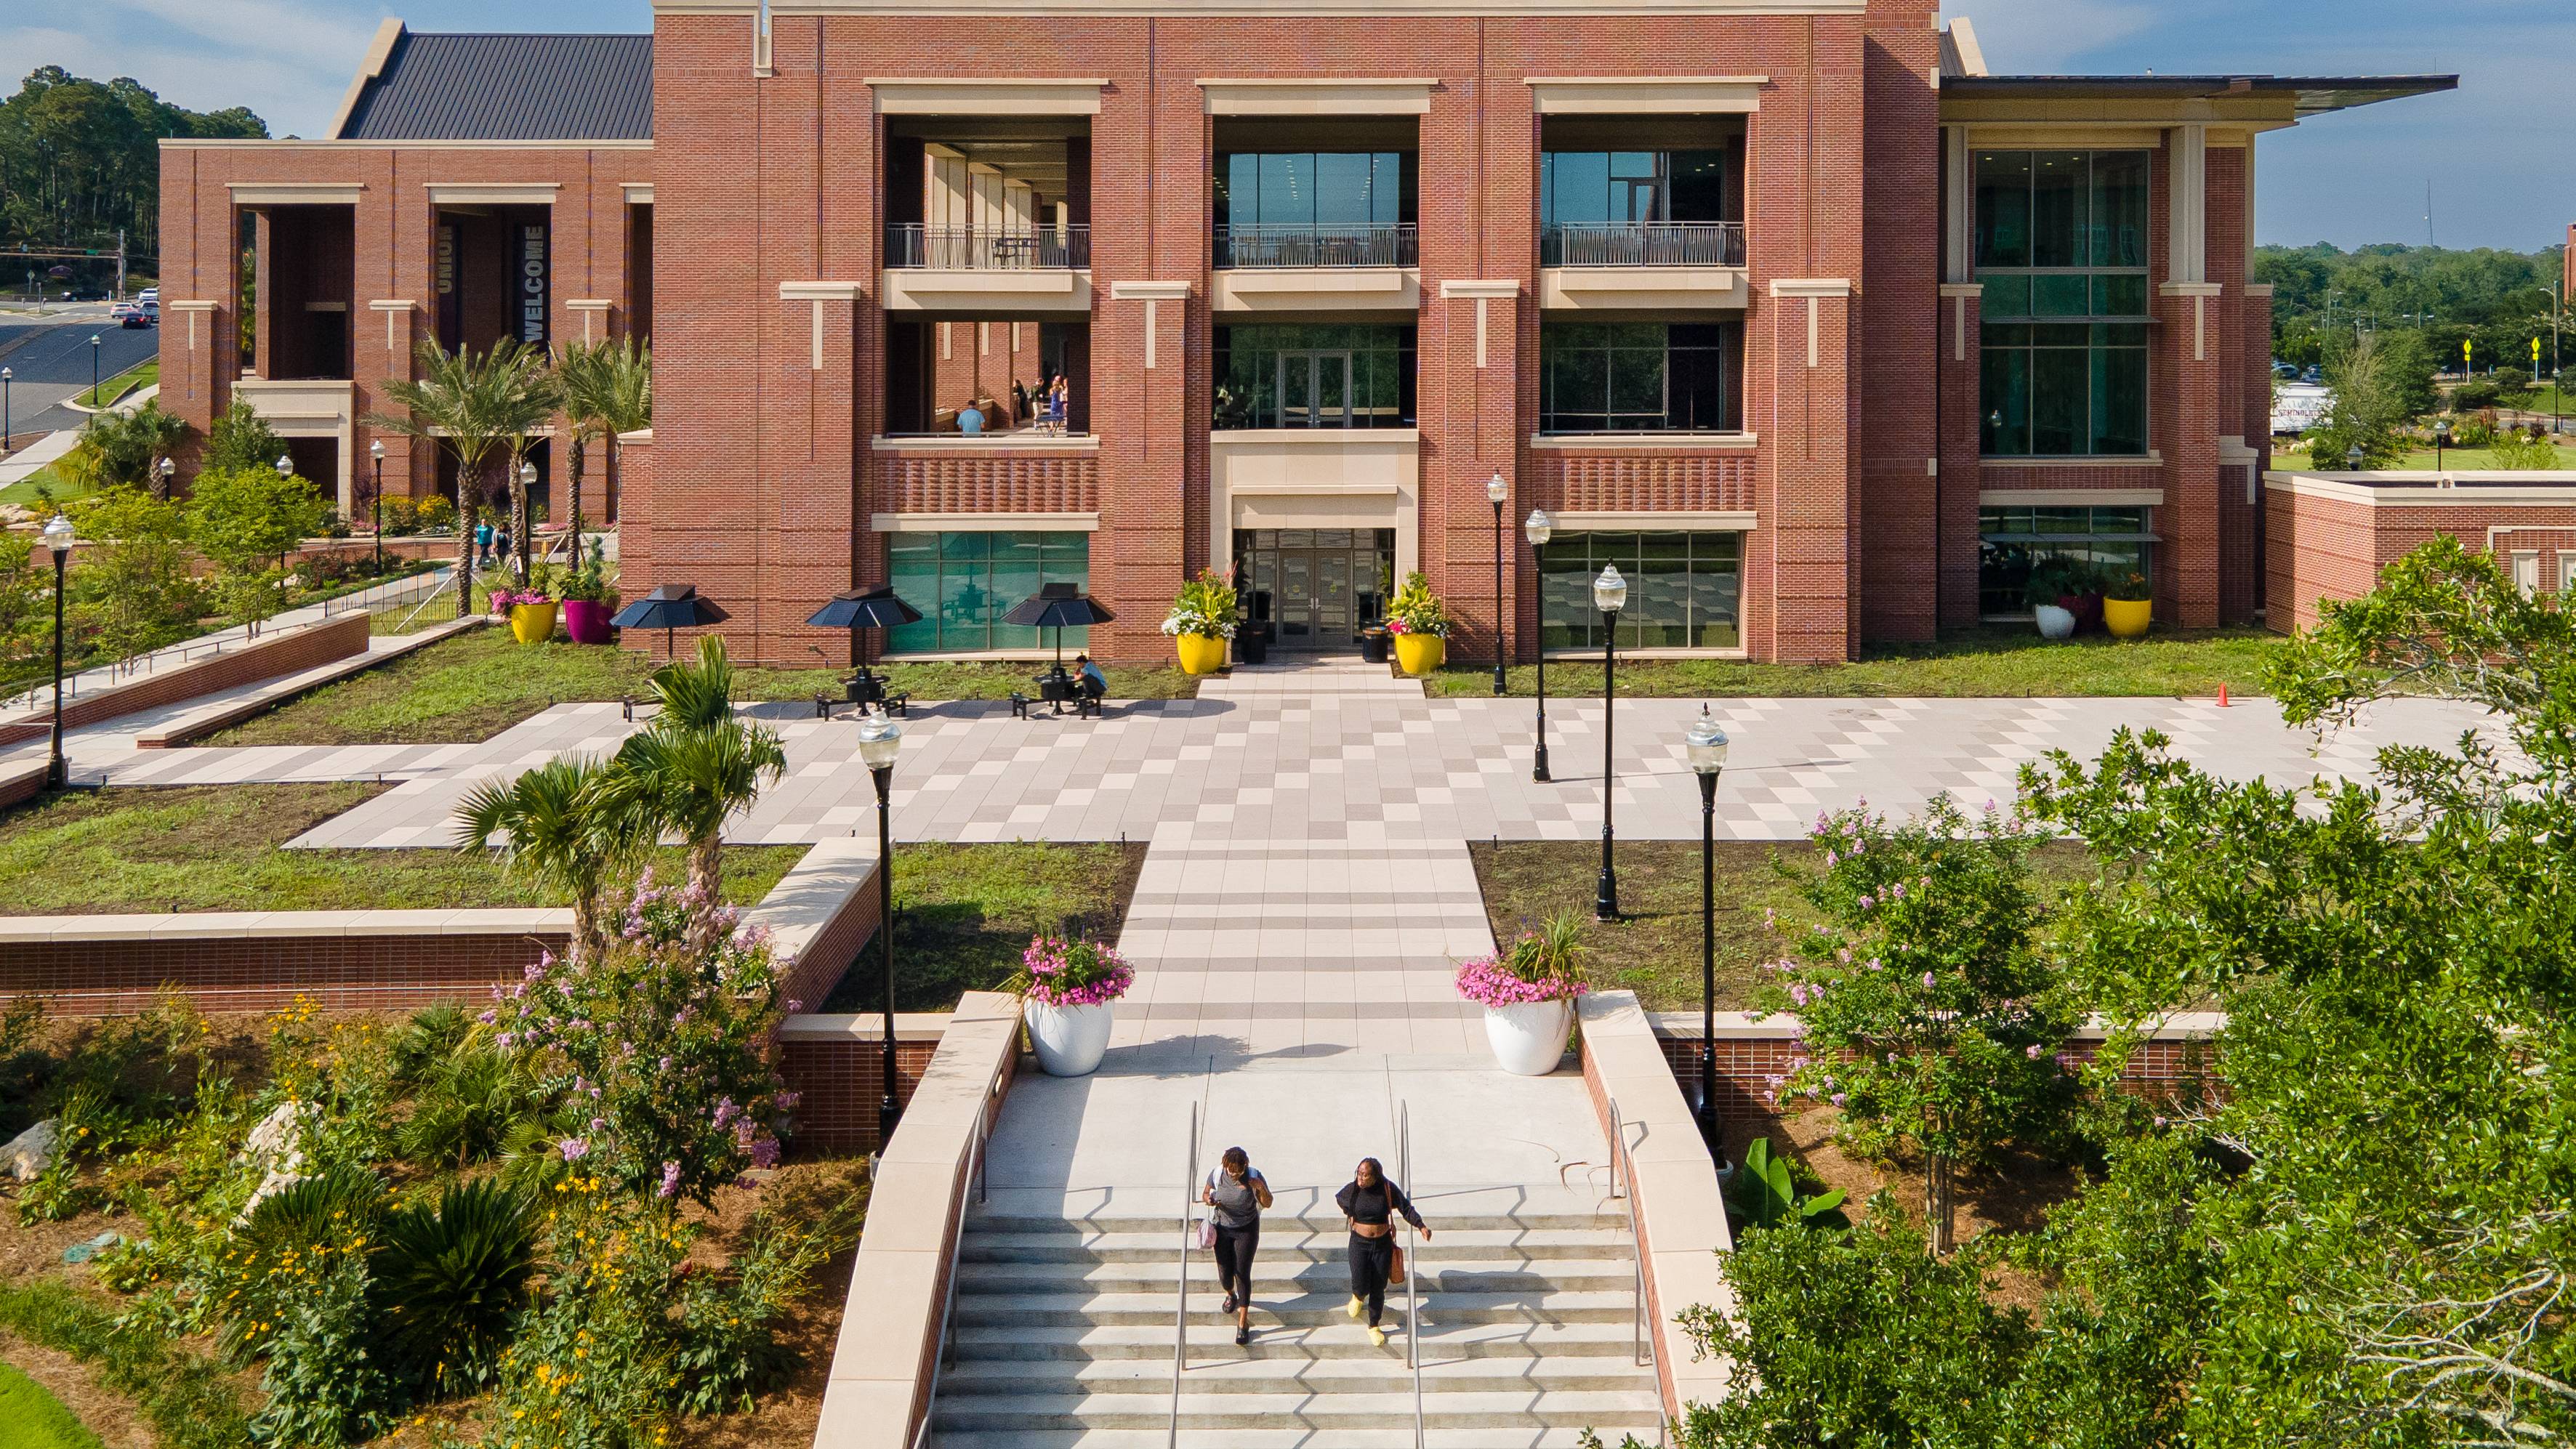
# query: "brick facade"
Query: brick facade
2161,1069
114,973
2325,538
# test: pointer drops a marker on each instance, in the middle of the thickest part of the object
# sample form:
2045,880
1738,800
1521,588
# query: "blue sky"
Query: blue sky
2501,152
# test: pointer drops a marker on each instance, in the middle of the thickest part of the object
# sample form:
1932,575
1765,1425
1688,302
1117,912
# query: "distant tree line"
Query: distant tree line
2498,301
80,158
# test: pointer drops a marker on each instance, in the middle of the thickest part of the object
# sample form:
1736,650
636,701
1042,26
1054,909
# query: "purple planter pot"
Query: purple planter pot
585,622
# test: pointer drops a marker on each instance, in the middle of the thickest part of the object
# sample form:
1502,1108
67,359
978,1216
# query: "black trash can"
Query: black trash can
1374,643
1252,643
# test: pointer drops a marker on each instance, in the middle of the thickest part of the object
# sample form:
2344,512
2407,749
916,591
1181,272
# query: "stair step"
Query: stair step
1343,1340
1308,1308
1282,1243
1291,1378
1612,1217
1576,1410
1272,1279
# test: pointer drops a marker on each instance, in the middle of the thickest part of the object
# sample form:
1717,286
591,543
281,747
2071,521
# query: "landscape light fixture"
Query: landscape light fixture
58,537
2441,440
376,454
1704,745
880,738
1496,490
1609,595
1538,529
6,429
2352,457
166,470
285,465
93,369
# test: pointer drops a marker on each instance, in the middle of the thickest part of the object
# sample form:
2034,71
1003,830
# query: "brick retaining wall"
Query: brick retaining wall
238,962
283,653
837,1067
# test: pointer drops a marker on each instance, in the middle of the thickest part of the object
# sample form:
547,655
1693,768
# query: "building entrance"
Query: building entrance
1316,587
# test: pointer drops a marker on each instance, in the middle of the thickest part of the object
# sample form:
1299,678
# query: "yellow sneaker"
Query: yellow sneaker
1377,1336
1355,1307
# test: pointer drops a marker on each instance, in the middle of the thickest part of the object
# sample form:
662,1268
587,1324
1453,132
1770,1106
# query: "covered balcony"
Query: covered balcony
1316,214
988,213
988,382
1641,212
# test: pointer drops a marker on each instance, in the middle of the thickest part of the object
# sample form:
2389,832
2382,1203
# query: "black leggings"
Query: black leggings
1234,1250
1372,1259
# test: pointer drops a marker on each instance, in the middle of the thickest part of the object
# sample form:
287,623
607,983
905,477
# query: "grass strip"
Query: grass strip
185,1398
32,1418
964,913
141,375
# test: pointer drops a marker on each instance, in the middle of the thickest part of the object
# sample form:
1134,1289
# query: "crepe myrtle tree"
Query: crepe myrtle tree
1922,996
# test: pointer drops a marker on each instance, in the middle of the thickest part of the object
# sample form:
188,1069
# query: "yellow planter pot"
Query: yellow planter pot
532,623
2126,618
1419,654
1201,655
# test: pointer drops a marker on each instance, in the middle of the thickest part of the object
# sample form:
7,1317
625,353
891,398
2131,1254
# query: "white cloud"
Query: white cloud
288,60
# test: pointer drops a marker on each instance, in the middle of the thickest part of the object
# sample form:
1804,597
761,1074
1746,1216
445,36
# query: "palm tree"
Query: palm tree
472,404
559,824
697,763
607,391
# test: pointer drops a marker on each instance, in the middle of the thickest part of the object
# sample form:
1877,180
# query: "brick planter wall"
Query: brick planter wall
837,1066
113,965
284,653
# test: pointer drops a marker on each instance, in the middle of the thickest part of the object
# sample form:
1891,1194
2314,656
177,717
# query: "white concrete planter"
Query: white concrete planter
1070,1039
2054,622
1529,1039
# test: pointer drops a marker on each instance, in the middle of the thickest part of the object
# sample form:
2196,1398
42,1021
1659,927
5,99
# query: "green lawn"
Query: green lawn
141,375
217,848
481,683
1654,948
31,1418
964,913
2000,661
43,483
2468,460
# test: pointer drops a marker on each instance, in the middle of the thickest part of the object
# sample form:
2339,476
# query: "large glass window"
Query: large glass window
1618,188
2014,540
2062,250
1314,375
964,582
1685,590
1312,188
1641,377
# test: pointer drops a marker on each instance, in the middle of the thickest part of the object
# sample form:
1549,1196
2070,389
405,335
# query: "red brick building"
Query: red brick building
1815,329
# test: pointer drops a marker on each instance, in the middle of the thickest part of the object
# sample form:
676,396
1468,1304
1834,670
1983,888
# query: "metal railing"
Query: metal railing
976,1180
1383,244
1412,1270
1181,1305
1641,1349
968,249
1643,244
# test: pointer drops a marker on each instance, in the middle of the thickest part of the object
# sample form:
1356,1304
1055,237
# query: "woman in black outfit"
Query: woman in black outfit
1371,1203
1235,1195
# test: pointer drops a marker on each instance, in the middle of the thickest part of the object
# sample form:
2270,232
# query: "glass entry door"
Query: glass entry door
1315,389
1317,587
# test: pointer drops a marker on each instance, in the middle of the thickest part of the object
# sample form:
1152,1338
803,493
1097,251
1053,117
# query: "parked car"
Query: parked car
148,297
128,316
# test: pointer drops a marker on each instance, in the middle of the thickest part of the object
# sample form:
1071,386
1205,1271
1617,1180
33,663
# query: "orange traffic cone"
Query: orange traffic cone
2222,696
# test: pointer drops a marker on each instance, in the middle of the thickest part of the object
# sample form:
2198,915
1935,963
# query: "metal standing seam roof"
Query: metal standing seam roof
451,87
2315,95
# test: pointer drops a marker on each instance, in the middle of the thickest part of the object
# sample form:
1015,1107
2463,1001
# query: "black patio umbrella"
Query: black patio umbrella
1058,607
877,608
672,606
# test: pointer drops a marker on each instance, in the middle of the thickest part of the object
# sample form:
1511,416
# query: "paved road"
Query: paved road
49,362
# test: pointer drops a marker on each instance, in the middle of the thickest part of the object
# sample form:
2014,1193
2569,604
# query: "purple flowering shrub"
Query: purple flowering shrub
1924,1000
1545,964
1057,972
656,1052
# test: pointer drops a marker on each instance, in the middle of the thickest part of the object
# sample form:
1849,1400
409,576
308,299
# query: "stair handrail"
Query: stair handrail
977,1177
1641,1349
1412,1270
1181,1303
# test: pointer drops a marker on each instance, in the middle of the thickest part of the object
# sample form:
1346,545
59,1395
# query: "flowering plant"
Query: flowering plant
1545,964
659,1045
1057,972
1206,608
1417,610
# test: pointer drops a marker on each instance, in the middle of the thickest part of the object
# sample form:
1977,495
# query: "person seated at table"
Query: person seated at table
1094,683
970,420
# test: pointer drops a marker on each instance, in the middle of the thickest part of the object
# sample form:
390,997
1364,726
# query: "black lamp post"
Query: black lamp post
2352,457
1609,595
1705,745
376,453
1495,488
165,470
528,518
58,537
7,429
1537,529
2441,440
879,738
93,369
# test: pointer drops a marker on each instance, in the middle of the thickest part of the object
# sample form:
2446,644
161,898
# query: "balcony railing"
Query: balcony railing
1375,245
962,249
1644,244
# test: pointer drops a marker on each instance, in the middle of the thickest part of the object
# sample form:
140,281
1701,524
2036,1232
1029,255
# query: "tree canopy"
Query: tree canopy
2497,299
81,158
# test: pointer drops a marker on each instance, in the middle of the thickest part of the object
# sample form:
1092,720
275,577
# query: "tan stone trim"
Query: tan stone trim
296,193
190,306
638,193
1313,437
1317,96
291,143
1238,10
840,1026
2153,458
820,291
987,443
2070,497
1971,290
1506,287
1811,287
2438,490
1315,289
1641,442
585,304
640,438
493,193
1635,288
1149,291
2191,289
1646,95
984,522
986,96
379,51
2025,135
2259,289
1730,520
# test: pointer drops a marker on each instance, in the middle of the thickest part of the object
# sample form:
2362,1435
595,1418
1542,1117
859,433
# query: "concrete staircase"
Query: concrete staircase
1064,1335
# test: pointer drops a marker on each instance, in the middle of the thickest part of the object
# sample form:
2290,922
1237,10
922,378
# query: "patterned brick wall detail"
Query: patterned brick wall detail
1661,482
110,977
934,483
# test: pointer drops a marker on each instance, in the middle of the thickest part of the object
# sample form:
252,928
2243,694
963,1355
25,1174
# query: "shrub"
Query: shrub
1071,973
241,438
2510,381
1546,964
436,514
186,1399
245,520
452,1277
1764,1193
2477,431
2475,395
1416,610
2060,576
2521,452
1205,608
2127,586
2372,380
270,1259
465,1104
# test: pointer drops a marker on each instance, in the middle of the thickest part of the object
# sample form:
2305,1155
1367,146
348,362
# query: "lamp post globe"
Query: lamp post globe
880,739
58,539
1538,528
285,465
2441,440
2352,457
166,470
1704,745
1609,595
1496,490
